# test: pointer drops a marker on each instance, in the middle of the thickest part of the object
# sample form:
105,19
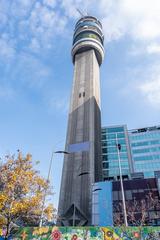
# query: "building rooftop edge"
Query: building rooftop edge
113,126
136,130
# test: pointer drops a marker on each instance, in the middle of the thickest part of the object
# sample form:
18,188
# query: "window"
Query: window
114,130
83,94
103,137
120,135
145,150
120,195
105,165
115,195
124,164
121,141
104,150
113,156
128,195
147,158
104,144
145,143
106,173
112,150
87,23
111,136
79,95
105,157
136,144
103,130
87,34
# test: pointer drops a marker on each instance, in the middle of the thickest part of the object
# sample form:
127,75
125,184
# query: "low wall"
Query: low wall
86,233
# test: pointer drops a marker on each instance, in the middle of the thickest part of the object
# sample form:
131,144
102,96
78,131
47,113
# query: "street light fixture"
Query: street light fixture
83,173
118,145
97,189
64,152
48,177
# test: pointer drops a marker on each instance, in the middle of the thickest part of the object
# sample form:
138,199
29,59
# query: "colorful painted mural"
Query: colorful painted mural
85,233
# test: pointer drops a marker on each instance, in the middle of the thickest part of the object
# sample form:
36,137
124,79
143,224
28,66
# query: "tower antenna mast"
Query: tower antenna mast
87,7
80,12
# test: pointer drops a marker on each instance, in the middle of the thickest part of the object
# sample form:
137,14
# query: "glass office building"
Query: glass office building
139,154
140,163
145,150
111,136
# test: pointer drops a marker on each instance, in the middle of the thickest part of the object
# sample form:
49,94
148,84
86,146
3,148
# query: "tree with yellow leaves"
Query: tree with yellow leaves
22,192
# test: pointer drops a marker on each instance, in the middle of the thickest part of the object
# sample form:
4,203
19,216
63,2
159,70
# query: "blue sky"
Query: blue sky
36,71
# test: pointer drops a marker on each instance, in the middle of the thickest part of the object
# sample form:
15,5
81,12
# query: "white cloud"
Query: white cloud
139,19
70,7
34,45
42,26
50,3
42,21
141,85
144,48
150,88
144,17
28,72
31,24
7,50
21,8
153,48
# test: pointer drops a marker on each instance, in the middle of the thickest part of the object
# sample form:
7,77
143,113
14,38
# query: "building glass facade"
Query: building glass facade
145,150
140,163
111,136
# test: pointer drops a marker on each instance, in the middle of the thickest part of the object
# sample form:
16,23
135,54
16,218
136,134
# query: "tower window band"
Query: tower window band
87,35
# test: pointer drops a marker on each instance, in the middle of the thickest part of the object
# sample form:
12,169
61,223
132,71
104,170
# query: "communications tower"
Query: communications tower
83,165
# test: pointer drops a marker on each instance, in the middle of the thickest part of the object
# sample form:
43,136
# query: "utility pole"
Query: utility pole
118,145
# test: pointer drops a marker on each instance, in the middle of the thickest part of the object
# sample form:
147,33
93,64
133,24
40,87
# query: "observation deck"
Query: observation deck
88,35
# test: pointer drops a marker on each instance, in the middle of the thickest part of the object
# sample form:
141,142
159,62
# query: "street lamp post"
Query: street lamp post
48,177
118,145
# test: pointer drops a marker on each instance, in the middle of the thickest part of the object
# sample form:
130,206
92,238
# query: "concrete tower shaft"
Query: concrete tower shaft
83,166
